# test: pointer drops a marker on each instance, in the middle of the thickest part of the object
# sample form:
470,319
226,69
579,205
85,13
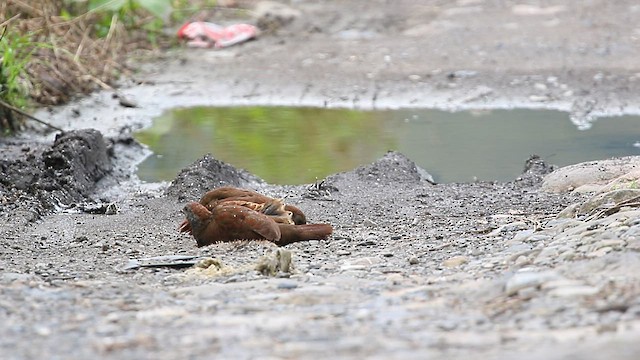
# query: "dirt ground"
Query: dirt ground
413,269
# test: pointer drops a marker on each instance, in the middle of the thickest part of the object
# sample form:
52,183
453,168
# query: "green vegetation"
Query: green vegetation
15,53
133,14
55,49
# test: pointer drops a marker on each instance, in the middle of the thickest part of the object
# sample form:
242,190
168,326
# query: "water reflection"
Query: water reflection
297,145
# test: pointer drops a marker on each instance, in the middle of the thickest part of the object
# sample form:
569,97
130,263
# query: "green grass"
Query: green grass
15,53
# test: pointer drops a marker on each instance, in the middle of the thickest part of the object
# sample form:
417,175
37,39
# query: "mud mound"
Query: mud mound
208,173
393,167
49,176
535,169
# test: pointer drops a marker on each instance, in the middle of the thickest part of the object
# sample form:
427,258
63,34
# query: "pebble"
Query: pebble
547,254
525,279
523,235
600,252
634,244
369,223
573,291
488,265
540,86
10,277
287,285
567,255
360,263
538,98
455,261
42,330
413,260
521,261
538,238
613,243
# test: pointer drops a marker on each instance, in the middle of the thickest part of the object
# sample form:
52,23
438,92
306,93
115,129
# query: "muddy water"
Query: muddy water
297,145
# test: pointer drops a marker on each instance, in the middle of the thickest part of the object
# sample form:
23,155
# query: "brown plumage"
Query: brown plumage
275,208
228,222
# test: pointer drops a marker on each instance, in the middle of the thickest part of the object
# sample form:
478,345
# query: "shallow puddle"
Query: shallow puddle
297,145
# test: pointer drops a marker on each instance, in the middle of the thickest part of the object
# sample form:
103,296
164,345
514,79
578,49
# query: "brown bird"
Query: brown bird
251,200
228,222
275,209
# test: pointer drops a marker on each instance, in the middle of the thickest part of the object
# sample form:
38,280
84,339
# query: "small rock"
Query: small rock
514,226
600,252
42,330
567,255
455,261
522,260
369,223
10,277
461,74
343,252
540,86
547,253
126,102
447,325
538,237
574,291
523,235
554,284
526,279
287,285
413,260
348,267
361,263
633,244
613,243
488,265
369,241
538,98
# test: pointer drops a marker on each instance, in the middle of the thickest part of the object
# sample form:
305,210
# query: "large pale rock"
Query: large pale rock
592,175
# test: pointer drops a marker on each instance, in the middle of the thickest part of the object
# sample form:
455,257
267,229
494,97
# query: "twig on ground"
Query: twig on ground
13,108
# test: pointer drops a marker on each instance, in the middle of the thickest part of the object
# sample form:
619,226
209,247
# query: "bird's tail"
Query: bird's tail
295,233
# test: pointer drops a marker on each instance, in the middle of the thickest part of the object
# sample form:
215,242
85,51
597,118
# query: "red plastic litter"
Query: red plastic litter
206,34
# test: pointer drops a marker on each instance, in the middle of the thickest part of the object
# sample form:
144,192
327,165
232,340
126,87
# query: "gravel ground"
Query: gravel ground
413,269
